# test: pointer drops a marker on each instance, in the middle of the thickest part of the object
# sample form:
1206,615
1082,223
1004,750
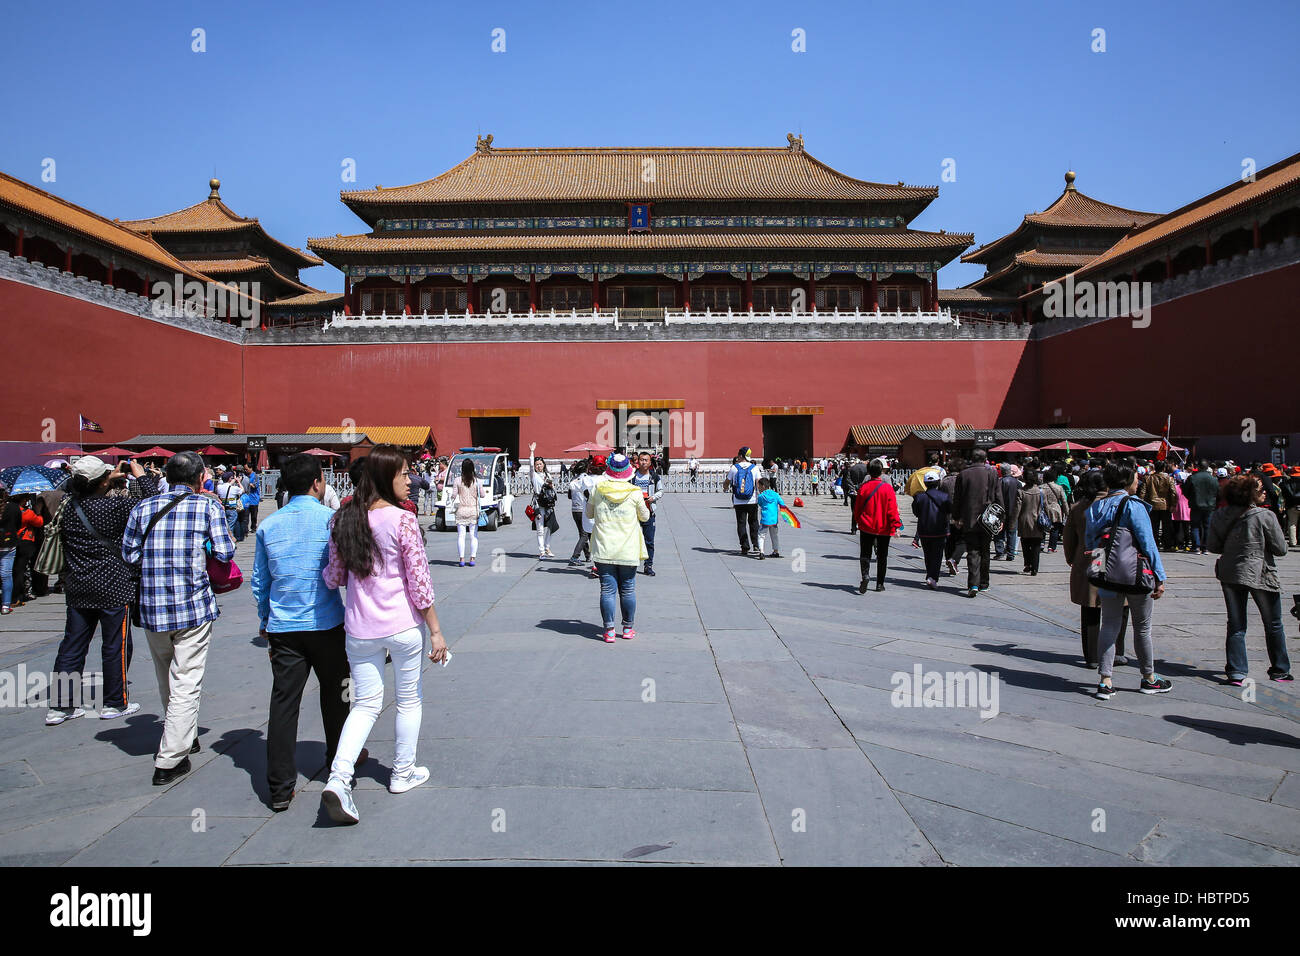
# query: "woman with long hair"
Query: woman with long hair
544,498
10,521
468,493
377,551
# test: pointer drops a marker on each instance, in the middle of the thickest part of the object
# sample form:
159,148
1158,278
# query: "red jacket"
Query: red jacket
879,515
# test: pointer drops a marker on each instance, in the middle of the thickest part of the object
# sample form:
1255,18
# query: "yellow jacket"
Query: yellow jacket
617,508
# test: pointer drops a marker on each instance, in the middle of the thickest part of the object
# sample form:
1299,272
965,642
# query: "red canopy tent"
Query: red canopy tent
113,452
322,453
1155,446
154,452
1066,446
212,451
62,452
1013,446
1113,447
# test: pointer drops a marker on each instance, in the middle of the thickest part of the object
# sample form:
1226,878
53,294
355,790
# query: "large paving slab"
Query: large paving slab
758,719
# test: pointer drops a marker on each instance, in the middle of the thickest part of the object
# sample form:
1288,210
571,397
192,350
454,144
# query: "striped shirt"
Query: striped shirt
175,592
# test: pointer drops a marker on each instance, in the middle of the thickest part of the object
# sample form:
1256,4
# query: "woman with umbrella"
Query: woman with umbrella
10,521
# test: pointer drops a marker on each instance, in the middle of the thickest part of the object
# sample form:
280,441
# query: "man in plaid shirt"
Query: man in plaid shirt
177,606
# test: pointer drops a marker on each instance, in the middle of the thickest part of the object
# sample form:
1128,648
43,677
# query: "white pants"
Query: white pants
366,660
472,531
543,538
179,660
763,531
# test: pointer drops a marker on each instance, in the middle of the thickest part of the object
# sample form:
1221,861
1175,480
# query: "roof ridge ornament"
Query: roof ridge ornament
796,142
1069,181
215,185
483,144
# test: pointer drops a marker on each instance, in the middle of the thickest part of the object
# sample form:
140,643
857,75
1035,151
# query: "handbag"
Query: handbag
482,518
1044,522
50,560
1118,565
224,576
993,518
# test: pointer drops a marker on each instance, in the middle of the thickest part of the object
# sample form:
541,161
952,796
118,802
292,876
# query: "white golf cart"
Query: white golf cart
496,502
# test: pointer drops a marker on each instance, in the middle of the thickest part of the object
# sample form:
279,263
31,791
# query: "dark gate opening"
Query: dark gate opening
787,436
496,433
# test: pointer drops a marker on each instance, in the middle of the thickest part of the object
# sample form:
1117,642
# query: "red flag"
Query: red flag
1163,453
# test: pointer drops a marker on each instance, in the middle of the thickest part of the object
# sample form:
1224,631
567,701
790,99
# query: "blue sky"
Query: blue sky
1012,92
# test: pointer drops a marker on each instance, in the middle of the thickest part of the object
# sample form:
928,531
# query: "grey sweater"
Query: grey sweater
1249,539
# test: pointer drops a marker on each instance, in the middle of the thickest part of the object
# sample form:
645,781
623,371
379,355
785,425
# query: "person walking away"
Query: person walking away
419,487
301,621
1121,483
29,527
1181,515
954,548
649,483
855,474
1009,486
933,511
742,482
228,491
170,536
770,503
1291,500
1249,539
975,489
377,551
1091,487
469,503
253,498
1158,492
1031,503
875,512
1202,491
98,586
1058,505
617,510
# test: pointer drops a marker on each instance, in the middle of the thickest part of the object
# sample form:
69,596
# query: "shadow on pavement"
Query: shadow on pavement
1235,733
572,627
850,588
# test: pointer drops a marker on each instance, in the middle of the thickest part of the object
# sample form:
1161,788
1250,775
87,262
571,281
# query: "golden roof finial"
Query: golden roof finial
214,184
484,144
1069,180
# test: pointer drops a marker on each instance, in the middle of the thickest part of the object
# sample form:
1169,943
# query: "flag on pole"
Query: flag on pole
88,426
1163,453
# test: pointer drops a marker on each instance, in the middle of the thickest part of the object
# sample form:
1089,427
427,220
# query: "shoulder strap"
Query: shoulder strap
115,551
157,517
1114,523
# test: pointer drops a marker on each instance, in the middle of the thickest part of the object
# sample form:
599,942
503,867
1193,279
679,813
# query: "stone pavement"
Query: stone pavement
750,722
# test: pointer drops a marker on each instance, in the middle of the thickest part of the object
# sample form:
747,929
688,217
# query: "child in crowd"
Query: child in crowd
769,516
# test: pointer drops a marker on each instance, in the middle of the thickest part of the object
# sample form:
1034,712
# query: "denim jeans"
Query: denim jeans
366,662
7,573
1270,612
620,580
1005,543
1201,527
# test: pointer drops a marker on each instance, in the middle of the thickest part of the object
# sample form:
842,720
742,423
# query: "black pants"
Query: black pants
747,526
880,544
115,631
1090,628
252,517
978,543
933,549
1033,550
583,547
295,654
24,558
1160,530
955,547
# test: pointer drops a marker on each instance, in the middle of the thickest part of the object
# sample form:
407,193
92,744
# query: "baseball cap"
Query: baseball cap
744,451
90,467
931,477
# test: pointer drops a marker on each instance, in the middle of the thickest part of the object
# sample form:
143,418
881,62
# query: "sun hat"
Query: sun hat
90,468
619,467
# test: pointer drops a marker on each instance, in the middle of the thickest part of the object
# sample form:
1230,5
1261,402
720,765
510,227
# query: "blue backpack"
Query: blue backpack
745,480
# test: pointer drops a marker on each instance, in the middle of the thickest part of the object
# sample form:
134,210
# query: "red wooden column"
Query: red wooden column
18,249
934,291
749,290
925,297
812,291
1209,252
595,290
1169,266
875,292
407,294
109,280
347,292
686,291
67,260
469,293
532,292
1254,230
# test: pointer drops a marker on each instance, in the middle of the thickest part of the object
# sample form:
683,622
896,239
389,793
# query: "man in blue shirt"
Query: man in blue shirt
302,621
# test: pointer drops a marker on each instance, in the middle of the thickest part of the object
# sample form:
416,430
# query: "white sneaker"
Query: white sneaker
54,716
108,713
337,800
412,778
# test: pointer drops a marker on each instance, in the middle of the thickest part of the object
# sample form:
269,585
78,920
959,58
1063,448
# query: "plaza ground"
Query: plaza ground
770,739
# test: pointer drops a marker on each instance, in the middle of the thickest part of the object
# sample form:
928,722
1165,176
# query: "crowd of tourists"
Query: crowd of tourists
150,548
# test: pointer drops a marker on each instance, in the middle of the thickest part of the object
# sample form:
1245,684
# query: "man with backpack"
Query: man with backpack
742,482
976,488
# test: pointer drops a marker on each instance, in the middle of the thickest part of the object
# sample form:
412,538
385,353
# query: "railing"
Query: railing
339,320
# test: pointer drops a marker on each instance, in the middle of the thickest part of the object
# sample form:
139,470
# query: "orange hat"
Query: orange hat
1295,471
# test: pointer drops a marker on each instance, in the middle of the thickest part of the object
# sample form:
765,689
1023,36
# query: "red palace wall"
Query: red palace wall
65,357
1210,359
292,387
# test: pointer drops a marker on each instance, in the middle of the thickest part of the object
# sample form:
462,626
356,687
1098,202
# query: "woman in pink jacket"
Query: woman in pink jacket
377,551
1182,518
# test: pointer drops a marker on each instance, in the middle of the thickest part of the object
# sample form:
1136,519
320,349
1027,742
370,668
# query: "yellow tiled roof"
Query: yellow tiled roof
401,435
888,435
312,298
222,268
1065,260
663,239
594,173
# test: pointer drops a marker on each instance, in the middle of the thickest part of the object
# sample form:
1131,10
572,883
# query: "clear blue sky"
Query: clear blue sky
137,123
